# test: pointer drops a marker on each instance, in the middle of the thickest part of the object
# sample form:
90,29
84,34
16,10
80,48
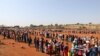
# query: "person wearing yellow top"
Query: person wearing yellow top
68,53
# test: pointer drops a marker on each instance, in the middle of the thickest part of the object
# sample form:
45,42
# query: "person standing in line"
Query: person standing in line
42,45
62,48
66,50
35,42
46,46
4,34
29,41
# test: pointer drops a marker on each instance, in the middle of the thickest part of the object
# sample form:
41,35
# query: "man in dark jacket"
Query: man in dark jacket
29,41
4,35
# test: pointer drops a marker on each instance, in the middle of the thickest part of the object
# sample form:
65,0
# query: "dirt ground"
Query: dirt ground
9,47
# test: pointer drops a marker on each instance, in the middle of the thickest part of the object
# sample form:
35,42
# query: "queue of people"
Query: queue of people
51,46
84,46
80,46
18,36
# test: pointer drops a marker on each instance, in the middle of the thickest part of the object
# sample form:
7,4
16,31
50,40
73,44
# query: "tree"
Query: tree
31,25
78,23
90,23
56,25
41,25
51,25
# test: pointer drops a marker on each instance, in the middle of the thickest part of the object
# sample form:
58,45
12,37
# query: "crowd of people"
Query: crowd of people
51,46
18,36
80,46
84,46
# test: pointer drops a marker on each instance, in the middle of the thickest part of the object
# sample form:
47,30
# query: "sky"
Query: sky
36,12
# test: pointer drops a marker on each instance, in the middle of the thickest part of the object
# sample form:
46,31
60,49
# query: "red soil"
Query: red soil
12,48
